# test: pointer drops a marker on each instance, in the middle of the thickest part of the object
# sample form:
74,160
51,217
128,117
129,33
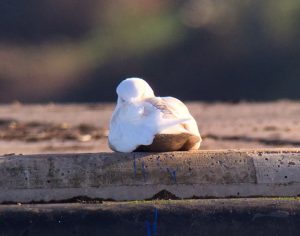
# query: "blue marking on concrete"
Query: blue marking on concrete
154,228
173,175
143,170
148,227
152,231
134,166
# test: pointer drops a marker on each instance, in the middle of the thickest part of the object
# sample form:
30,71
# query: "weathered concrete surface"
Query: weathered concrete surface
245,217
137,176
57,128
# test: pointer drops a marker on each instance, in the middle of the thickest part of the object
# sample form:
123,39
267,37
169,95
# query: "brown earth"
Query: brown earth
83,128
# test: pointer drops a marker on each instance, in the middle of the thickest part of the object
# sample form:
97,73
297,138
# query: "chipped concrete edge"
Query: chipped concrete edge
139,176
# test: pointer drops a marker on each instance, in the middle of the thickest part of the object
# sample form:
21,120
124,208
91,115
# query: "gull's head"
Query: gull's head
134,89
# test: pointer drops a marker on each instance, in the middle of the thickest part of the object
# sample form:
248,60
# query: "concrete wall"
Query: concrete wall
137,176
245,217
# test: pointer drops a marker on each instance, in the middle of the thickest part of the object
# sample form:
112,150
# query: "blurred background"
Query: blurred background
209,50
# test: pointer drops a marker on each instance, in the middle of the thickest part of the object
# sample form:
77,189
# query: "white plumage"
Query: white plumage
144,122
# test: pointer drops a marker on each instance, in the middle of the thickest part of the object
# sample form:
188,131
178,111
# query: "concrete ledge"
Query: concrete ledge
137,176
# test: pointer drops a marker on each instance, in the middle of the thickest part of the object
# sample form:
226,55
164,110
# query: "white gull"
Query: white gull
143,122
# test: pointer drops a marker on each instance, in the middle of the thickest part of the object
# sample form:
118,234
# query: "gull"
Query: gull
143,122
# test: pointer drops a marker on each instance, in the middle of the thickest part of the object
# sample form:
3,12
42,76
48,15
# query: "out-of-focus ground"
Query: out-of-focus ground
84,128
65,51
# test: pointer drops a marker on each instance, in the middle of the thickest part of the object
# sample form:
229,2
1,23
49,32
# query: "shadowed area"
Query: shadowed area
170,142
232,217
